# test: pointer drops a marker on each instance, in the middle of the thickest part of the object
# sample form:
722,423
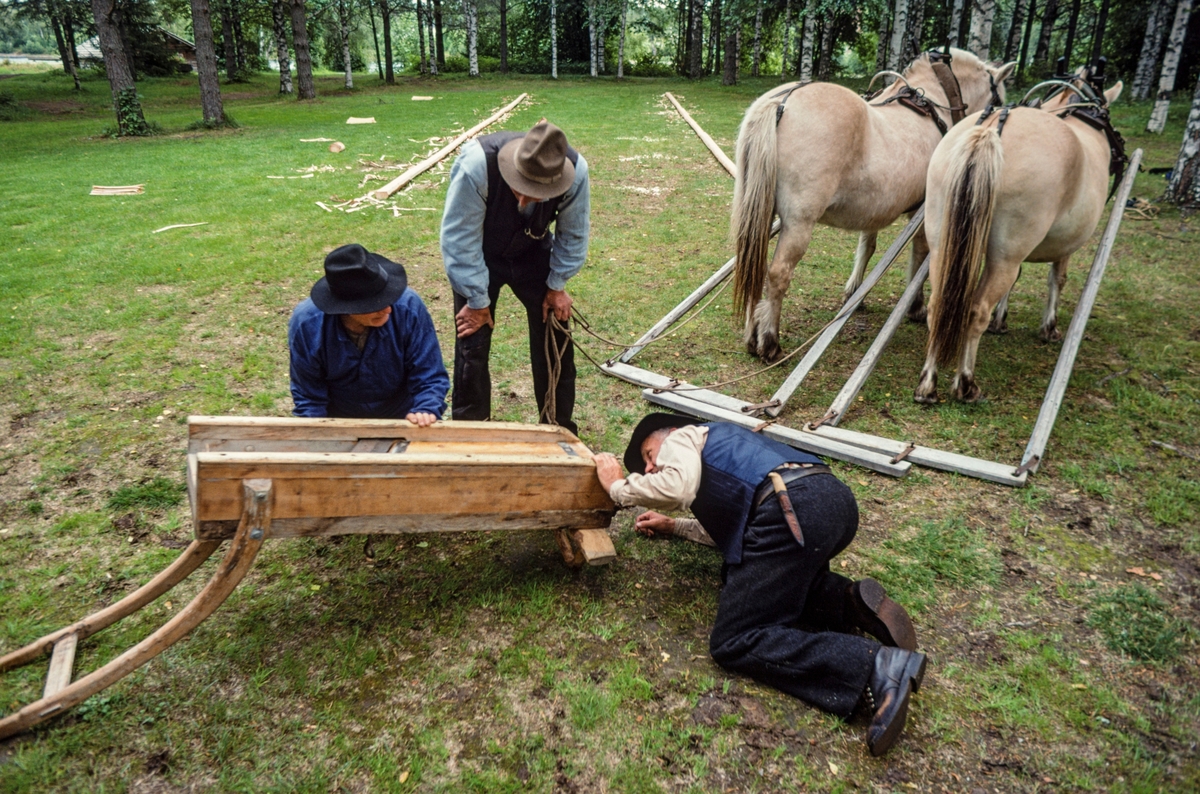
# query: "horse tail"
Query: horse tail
972,179
753,201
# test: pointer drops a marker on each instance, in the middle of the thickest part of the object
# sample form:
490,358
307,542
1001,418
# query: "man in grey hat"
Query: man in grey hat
506,189
363,345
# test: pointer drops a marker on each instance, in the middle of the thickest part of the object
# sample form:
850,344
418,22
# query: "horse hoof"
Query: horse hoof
925,398
918,316
969,393
998,328
771,352
1051,334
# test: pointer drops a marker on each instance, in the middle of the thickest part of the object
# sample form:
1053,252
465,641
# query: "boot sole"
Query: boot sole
891,623
914,671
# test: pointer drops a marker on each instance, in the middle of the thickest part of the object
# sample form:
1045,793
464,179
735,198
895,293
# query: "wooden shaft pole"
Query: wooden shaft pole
391,187
818,348
255,524
866,366
717,152
176,572
1083,310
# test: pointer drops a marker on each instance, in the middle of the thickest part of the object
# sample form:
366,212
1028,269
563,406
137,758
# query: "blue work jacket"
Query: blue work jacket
399,371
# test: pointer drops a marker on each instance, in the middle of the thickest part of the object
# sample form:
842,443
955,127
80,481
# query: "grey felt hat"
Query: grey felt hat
537,165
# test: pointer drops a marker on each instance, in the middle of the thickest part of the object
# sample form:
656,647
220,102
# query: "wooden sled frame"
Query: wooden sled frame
358,476
824,437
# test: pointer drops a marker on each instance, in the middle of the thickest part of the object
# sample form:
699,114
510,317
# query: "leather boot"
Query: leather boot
873,612
897,674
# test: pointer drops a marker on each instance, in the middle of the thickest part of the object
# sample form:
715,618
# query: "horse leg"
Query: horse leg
762,332
862,256
999,323
996,283
920,250
1054,282
926,391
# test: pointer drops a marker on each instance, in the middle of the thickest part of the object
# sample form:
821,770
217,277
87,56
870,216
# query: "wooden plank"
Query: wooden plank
866,366
62,660
217,430
1074,338
310,526
429,162
805,441
595,545
928,457
830,333
685,306
717,152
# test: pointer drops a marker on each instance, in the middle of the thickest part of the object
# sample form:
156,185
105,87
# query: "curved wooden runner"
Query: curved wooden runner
251,531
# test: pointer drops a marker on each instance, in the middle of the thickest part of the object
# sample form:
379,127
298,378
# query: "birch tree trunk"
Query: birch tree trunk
130,119
714,38
787,39
503,37
1049,17
757,39
823,65
899,28
885,40
696,56
601,25
916,28
1014,30
206,65
806,44
1166,81
621,45
422,56
343,9
980,40
471,17
955,21
304,76
1156,26
279,20
1183,188
437,28
554,39
1072,27
591,11
429,31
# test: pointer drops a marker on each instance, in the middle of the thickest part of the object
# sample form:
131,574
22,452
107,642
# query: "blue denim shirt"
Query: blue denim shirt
398,372
462,228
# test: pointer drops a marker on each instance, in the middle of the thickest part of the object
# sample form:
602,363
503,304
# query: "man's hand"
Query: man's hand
651,523
608,469
469,320
421,419
559,302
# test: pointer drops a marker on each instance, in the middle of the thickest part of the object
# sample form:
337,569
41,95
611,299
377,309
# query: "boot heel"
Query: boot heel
916,670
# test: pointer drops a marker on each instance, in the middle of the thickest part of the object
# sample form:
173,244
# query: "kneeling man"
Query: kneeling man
779,516
363,345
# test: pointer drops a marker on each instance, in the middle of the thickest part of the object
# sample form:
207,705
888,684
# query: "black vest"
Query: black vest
509,236
734,463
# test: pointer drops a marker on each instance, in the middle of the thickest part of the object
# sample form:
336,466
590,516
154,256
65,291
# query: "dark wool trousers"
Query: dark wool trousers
472,396
781,618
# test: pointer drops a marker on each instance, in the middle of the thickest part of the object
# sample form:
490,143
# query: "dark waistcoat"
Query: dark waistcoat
733,465
509,236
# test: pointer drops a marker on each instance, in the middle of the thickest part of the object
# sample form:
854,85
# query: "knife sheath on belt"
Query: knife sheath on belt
785,504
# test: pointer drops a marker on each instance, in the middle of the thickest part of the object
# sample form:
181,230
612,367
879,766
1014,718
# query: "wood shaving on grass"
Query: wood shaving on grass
117,190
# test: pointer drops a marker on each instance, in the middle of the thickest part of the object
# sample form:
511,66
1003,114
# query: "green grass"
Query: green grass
476,661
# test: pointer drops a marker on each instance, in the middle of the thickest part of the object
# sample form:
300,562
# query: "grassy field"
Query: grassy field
1059,618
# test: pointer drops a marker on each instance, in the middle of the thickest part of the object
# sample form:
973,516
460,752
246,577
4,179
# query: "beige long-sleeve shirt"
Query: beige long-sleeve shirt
675,483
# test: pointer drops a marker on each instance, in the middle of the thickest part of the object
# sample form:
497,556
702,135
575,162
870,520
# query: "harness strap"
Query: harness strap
914,100
949,82
785,93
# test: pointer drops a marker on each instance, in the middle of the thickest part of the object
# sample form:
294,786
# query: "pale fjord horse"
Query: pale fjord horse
1034,193
830,157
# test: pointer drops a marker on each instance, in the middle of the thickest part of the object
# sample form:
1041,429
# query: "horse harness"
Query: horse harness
1095,117
915,99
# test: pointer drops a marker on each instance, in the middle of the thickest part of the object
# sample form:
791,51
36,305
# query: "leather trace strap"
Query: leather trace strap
1003,118
785,94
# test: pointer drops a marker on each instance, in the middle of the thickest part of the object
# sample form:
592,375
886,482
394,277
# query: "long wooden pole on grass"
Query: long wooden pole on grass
1074,338
717,152
429,162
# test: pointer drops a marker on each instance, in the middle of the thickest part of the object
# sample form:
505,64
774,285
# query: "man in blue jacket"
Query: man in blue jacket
363,345
779,516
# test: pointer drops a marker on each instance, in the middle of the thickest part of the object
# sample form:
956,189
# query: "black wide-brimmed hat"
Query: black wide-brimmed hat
650,423
358,282
537,164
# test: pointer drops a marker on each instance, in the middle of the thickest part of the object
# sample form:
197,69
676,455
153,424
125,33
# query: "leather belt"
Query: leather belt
789,473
